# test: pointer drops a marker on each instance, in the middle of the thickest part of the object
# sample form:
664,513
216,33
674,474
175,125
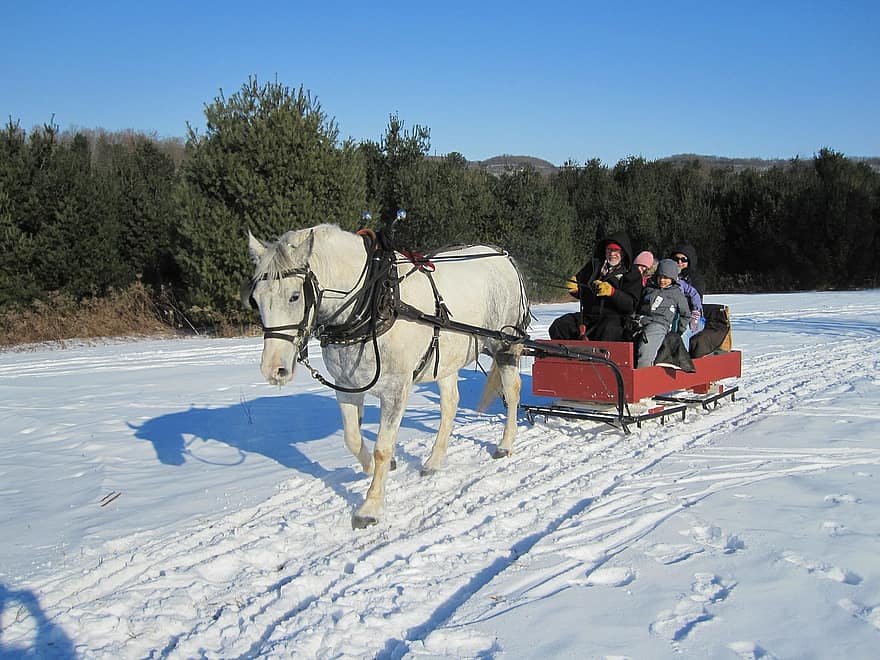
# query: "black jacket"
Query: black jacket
605,316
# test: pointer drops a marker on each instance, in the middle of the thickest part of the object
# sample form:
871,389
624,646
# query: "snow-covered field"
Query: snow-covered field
158,500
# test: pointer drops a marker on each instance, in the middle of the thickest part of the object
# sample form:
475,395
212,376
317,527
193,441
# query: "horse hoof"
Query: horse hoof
362,522
501,453
393,464
427,472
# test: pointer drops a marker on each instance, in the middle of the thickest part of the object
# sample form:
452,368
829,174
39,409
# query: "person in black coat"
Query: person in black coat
691,280
685,255
609,289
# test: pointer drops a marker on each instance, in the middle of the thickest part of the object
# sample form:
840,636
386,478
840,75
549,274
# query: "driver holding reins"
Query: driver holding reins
609,289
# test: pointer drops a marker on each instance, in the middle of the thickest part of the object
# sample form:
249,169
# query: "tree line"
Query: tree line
90,213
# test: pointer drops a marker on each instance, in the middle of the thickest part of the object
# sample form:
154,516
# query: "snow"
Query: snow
159,500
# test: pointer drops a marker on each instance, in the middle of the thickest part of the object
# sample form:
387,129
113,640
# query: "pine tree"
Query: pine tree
270,161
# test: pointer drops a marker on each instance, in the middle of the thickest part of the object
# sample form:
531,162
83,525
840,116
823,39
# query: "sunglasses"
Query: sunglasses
681,260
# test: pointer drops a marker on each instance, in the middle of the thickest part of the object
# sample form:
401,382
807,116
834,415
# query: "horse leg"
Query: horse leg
511,383
391,411
351,405
448,387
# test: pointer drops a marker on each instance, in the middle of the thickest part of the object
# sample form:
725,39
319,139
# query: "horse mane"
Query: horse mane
330,245
284,255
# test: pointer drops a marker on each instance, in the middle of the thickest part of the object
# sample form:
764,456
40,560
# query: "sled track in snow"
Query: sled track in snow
289,577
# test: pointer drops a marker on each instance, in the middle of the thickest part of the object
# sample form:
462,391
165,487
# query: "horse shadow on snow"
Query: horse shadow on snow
281,427
46,639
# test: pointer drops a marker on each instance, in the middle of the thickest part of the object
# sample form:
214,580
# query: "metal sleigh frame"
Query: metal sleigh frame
598,381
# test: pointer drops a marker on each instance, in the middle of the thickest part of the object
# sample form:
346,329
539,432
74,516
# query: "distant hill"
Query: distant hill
738,164
735,164
507,163
498,165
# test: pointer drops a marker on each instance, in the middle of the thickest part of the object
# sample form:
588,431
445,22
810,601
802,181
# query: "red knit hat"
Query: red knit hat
614,246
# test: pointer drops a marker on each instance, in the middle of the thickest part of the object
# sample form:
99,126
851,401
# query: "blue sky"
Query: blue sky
556,80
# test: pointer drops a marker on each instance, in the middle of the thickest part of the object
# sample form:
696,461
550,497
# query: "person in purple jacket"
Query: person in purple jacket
692,285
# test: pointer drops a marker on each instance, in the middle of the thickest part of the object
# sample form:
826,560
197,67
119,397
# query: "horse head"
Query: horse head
284,291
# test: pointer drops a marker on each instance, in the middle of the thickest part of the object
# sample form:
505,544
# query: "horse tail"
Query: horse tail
493,387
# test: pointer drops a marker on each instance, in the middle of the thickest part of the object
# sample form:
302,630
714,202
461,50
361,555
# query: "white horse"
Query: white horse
381,330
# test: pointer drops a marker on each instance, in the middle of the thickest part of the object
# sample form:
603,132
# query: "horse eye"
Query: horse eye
294,297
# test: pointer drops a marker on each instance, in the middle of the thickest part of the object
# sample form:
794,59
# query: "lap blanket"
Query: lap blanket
716,335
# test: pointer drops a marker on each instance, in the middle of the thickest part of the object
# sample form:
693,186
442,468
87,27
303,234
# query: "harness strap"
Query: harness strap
374,302
441,311
508,334
374,314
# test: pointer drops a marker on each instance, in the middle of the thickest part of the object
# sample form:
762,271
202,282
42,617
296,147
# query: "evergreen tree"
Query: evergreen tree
535,222
269,161
18,278
588,190
845,202
445,204
77,245
143,181
637,202
392,165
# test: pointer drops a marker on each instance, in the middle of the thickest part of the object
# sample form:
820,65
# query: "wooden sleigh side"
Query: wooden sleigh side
585,390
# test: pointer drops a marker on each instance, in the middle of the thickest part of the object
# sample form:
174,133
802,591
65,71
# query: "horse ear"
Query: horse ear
303,251
256,247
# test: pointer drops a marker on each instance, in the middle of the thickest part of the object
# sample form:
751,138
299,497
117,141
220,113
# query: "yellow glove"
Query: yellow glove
572,286
603,288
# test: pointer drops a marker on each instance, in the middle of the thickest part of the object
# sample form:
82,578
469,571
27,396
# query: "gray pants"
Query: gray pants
653,334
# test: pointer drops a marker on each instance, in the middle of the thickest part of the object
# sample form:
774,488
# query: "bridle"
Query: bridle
312,294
